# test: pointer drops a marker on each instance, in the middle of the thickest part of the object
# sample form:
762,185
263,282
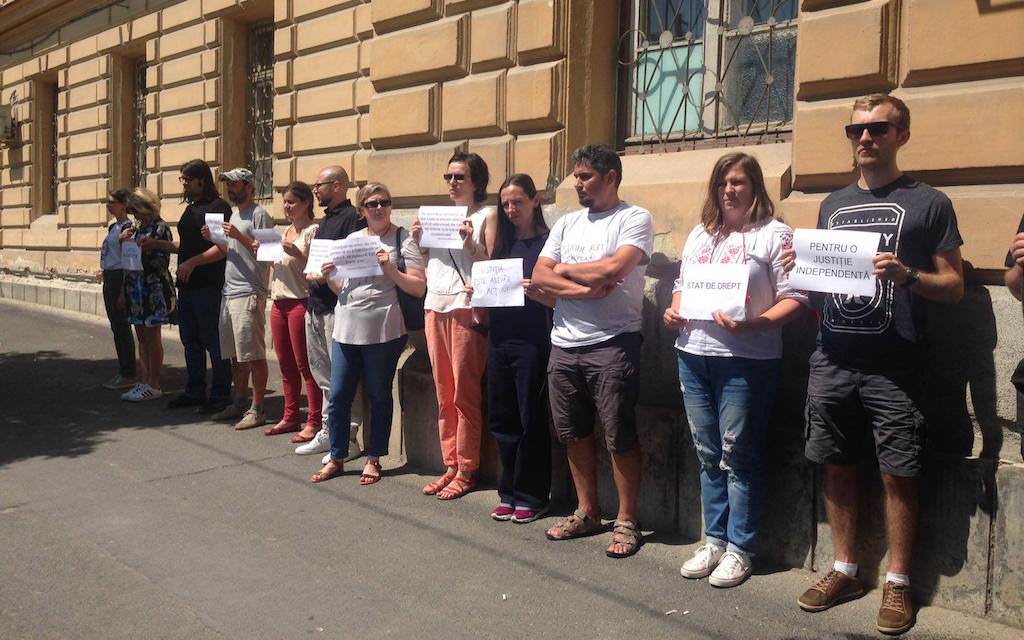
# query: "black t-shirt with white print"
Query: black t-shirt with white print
916,222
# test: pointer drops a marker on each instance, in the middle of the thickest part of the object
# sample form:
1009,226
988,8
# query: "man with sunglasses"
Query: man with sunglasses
864,384
340,219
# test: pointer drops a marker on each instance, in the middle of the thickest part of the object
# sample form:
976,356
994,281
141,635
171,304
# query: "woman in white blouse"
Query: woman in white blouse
729,368
369,334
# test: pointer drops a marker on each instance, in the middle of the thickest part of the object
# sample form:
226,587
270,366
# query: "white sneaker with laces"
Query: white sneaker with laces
321,442
732,569
119,382
703,562
132,393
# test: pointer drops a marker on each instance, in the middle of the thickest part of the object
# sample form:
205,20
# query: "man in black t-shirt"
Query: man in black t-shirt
863,383
200,281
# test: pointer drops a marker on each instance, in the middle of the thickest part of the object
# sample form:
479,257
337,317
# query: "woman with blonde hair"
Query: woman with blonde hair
149,294
728,368
370,333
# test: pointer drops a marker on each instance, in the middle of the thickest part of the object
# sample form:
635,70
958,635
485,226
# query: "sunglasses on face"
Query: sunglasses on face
377,204
874,129
457,177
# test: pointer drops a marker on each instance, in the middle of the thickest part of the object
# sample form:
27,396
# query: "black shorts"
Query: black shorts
596,381
847,406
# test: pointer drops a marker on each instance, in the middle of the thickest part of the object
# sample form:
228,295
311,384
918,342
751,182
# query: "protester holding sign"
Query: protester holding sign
517,358
149,293
113,290
865,377
729,365
290,292
455,332
369,333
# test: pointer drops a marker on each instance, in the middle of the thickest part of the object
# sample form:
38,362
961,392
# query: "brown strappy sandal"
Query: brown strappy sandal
457,488
323,476
367,478
627,534
578,525
442,482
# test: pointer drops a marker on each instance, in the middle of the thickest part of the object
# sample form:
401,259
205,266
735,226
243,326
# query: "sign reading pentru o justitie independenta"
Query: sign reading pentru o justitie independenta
834,261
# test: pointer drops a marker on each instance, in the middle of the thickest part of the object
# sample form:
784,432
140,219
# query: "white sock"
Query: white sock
847,568
898,578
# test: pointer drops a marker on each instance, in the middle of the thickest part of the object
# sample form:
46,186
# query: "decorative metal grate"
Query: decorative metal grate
708,69
139,167
54,185
260,150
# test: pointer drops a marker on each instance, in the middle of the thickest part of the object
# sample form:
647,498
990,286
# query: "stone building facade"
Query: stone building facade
108,94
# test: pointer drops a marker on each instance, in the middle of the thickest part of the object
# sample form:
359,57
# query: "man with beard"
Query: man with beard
340,219
200,276
243,311
593,263
864,384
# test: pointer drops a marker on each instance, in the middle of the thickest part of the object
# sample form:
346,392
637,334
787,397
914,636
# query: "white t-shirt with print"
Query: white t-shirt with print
760,247
589,236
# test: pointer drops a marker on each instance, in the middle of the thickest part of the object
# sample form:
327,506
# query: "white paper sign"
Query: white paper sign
498,283
319,253
216,223
131,256
834,261
714,287
270,249
441,227
357,257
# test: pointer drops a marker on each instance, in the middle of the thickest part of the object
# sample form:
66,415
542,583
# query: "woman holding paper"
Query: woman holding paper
289,292
455,332
729,365
517,358
113,270
149,293
369,332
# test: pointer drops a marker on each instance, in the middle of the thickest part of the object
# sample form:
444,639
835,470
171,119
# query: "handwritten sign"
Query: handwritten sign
131,256
498,283
215,221
319,253
441,227
270,249
714,287
834,261
357,257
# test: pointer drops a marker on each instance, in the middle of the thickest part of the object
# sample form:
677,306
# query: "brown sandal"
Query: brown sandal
323,476
368,479
307,433
578,525
281,427
457,488
440,483
627,534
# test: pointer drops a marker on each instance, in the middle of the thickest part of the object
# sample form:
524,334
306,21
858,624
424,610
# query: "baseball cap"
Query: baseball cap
238,174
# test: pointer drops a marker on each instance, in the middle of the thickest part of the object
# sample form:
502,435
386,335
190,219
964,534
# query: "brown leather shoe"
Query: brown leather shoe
897,613
833,588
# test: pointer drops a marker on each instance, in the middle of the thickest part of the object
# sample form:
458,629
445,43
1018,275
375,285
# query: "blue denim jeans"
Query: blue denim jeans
728,402
375,364
199,328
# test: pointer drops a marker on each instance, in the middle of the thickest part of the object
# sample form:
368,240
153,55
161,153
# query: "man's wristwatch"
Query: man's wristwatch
913,275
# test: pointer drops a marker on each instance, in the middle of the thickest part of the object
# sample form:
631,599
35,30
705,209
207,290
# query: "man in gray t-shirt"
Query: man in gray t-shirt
243,309
593,263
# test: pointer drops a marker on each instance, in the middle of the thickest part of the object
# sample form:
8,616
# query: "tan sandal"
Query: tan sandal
442,482
370,478
578,525
323,476
626,534
457,488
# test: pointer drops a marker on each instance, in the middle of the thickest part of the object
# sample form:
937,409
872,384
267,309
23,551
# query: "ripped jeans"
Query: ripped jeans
728,402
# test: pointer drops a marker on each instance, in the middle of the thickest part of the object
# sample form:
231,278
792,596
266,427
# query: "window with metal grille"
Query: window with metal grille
260,147
708,70
139,126
54,176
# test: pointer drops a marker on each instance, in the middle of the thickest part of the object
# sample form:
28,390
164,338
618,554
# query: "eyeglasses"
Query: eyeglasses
457,177
512,204
186,179
317,185
874,129
377,204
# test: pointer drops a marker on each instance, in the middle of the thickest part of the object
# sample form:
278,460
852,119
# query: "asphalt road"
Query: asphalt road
131,521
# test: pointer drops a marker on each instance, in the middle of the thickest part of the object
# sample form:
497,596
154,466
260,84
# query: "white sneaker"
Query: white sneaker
131,393
703,562
142,393
326,458
321,442
120,382
732,569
